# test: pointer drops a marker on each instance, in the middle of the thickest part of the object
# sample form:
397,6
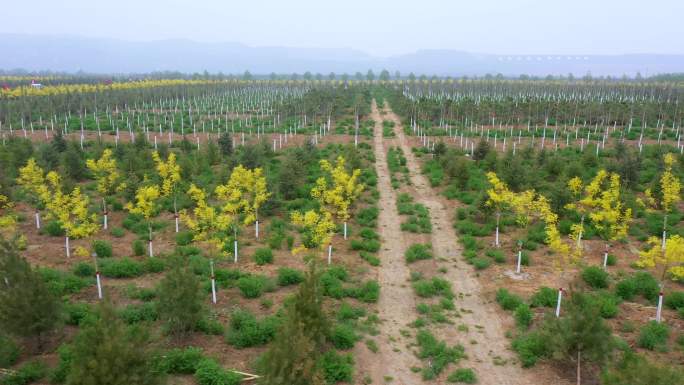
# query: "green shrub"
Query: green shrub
523,316
497,255
437,352
348,312
117,232
530,348
653,335
210,373
507,300
370,258
141,293
102,249
153,265
9,351
369,245
606,302
641,283
184,238
59,374
210,326
253,286
525,258
544,297
61,283
430,288
612,260
481,263
84,269
288,276
77,312
245,330
54,229
368,217
369,292
121,268
336,367
647,285
417,251
263,256
367,233
135,313
26,374
595,277
463,375
138,247
675,300
182,361
343,336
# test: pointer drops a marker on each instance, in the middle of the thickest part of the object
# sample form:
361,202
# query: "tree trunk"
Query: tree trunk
579,365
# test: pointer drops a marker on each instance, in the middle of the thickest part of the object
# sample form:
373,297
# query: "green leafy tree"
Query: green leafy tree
27,307
180,300
292,358
107,352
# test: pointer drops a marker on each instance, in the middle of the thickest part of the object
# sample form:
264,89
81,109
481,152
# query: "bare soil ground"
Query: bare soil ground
485,343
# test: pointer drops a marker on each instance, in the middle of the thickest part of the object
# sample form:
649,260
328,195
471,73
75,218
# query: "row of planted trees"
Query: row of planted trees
600,203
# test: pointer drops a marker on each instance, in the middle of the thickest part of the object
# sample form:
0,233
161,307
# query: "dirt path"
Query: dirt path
396,306
485,343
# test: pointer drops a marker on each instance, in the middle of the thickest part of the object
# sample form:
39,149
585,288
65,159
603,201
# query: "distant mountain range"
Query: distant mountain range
97,55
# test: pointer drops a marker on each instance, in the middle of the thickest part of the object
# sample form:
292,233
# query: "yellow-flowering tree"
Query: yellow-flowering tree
576,186
206,223
8,220
669,259
32,180
670,189
108,178
607,212
243,194
528,206
169,172
71,210
339,194
146,198
318,229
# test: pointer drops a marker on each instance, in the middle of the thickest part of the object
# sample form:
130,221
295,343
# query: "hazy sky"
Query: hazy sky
378,27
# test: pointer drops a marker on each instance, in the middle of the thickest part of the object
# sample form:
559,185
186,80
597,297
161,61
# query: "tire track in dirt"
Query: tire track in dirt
396,306
485,343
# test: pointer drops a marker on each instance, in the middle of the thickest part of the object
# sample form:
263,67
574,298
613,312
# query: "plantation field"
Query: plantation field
318,232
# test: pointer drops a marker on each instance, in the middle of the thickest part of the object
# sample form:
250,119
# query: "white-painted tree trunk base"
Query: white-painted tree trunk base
329,254
149,249
345,230
105,222
558,302
37,220
66,246
659,310
235,251
517,269
99,285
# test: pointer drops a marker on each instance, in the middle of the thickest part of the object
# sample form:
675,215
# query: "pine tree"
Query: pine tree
27,307
581,334
107,352
292,357
225,144
180,300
